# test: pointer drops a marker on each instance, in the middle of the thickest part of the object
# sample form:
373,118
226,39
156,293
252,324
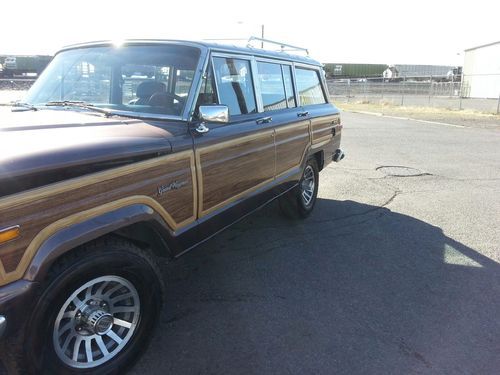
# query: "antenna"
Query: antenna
283,46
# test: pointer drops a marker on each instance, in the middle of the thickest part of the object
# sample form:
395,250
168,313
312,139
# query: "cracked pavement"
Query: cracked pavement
390,275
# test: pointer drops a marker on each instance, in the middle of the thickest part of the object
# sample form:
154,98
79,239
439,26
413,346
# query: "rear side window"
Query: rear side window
234,85
271,86
309,87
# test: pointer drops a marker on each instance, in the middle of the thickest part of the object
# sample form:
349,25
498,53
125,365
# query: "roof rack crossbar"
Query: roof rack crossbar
282,45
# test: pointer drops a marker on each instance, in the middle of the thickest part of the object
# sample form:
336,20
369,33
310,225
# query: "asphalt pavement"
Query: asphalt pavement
396,271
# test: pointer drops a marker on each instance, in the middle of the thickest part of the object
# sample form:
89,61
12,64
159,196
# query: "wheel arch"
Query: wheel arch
320,158
138,223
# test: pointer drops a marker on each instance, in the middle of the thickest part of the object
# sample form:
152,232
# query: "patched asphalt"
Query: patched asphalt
396,271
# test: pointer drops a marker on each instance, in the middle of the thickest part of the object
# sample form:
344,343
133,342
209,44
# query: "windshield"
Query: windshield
145,79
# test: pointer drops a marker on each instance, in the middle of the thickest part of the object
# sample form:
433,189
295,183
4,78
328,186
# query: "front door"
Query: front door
234,160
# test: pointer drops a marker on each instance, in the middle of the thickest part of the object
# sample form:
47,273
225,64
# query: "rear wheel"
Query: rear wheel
97,312
299,202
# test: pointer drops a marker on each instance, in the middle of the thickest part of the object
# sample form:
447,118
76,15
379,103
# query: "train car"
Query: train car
23,65
342,70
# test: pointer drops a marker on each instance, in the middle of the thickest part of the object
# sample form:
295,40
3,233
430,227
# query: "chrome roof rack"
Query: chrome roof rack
283,46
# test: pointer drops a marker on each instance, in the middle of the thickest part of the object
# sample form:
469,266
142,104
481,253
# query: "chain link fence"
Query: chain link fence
424,92
408,91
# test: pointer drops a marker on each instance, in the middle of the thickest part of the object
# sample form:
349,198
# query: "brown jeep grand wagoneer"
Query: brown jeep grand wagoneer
121,154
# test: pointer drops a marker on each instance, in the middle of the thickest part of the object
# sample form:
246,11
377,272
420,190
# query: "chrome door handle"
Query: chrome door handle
264,120
302,114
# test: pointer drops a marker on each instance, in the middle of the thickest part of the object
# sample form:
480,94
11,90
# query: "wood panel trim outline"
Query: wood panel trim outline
79,182
326,138
13,201
218,146
77,218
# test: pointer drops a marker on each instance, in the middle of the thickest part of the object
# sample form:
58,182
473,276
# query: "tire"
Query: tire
299,202
118,292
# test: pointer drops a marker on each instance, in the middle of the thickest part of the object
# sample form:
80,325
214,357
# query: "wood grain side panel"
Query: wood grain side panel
11,260
291,145
321,128
38,209
230,169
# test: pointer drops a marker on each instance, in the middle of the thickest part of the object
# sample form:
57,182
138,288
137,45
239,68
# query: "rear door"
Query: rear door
292,138
314,103
233,160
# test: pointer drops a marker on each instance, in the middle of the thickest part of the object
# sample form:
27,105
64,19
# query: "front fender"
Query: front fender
81,232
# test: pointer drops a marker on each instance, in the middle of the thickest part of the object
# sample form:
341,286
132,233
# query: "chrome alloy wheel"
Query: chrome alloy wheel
96,322
307,185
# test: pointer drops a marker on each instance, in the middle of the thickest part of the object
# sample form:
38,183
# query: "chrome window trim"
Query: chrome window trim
276,62
293,87
282,62
297,96
253,66
145,115
320,78
192,96
273,61
256,85
204,65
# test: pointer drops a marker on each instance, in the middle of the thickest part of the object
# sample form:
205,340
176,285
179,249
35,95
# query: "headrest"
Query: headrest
148,88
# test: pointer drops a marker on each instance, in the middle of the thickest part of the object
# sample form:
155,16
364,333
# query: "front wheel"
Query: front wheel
299,202
97,313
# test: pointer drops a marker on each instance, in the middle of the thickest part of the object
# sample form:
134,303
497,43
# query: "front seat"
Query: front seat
145,90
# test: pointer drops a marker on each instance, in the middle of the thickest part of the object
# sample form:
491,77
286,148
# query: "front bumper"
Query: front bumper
16,303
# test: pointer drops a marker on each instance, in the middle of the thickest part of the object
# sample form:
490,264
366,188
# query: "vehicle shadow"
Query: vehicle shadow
354,289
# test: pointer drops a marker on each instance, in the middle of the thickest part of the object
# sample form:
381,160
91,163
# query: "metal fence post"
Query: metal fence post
403,91
430,91
364,89
460,96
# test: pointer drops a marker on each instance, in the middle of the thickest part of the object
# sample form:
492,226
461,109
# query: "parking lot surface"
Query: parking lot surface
396,271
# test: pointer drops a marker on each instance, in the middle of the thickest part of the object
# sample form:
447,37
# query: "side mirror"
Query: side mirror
214,113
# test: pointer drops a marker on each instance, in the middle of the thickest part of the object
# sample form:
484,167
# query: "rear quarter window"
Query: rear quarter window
309,86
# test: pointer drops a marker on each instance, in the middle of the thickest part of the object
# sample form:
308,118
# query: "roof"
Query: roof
482,46
208,45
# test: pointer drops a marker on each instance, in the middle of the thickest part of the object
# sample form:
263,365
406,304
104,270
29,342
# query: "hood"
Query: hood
47,140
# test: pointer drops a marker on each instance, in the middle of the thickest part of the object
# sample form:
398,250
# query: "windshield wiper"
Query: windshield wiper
20,106
79,104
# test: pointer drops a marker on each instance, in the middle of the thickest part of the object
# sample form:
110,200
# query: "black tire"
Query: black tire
105,257
293,204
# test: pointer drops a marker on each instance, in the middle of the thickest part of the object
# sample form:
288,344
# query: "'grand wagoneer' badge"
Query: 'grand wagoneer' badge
172,186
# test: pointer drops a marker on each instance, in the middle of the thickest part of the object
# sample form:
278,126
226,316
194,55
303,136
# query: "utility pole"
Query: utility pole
262,36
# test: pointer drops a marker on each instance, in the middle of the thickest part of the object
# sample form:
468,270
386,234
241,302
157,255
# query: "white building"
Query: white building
481,71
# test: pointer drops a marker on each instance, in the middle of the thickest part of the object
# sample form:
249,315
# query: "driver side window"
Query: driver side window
234,85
